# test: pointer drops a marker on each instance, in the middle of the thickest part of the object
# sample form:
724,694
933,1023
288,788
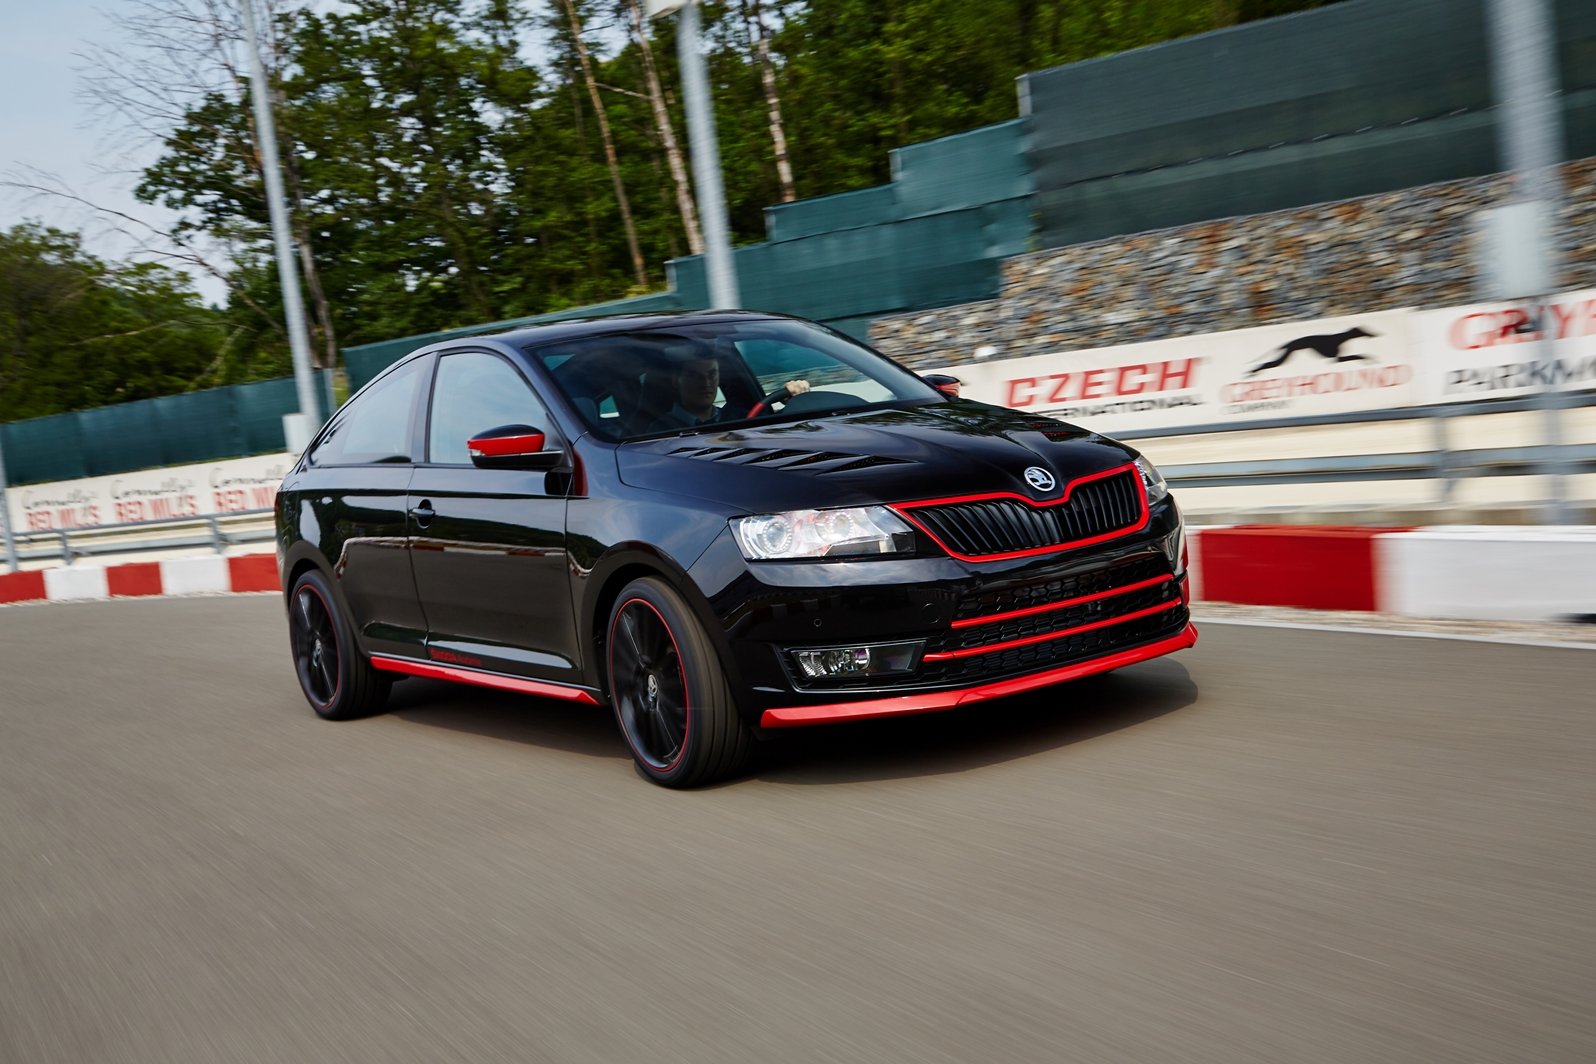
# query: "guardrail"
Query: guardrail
218,531
1441,464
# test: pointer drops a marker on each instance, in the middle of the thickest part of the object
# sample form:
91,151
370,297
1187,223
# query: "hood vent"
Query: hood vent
788,458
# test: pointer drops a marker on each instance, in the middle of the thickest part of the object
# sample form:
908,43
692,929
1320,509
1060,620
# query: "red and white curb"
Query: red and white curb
1502,573
173,576
1488,573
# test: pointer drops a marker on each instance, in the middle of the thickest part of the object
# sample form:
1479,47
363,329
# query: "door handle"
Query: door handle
423,513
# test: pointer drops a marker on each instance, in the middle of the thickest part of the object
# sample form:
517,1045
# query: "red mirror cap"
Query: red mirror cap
951,390
506,446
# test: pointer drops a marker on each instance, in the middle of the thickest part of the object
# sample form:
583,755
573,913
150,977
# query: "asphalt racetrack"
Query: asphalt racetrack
1282,845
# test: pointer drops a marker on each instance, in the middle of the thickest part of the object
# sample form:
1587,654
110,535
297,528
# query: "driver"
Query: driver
697,384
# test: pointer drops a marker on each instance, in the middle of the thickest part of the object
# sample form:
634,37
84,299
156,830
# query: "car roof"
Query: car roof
575,328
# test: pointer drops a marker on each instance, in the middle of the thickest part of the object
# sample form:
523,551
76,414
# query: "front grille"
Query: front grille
1010,597
1035,625
1036,657
1142,584
1011,525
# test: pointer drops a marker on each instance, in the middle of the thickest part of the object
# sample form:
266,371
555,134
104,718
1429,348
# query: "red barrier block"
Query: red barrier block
132,579
1309,567
253,572
22,587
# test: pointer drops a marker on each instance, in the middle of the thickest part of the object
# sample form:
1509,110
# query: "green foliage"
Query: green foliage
76,332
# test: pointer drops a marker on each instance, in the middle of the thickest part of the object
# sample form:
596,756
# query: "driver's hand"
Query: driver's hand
797,387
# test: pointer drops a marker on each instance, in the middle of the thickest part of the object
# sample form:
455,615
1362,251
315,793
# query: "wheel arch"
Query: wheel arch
605,583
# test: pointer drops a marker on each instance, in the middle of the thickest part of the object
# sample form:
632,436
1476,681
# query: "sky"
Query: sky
46,126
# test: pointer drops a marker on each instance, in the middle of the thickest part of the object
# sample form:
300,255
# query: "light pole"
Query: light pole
705,150
298,432
1524,261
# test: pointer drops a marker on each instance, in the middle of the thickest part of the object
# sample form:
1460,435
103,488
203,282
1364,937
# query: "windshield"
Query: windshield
678,378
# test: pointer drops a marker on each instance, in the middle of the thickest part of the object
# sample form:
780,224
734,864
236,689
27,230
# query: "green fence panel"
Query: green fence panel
170,430
123,437
1285,178
1359,97
1331,71
261,407
825,214
44,448
834,275
970,169
1576,44
189,428
1007,227
942,259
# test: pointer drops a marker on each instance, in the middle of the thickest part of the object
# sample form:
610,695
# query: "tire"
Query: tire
336,678
669,691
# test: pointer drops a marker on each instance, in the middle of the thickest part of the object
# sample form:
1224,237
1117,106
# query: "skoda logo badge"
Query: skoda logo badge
1040,479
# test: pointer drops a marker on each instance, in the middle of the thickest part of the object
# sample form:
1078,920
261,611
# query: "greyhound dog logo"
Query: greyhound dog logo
1328,346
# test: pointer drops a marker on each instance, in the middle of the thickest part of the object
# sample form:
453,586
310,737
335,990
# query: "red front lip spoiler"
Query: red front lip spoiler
931,701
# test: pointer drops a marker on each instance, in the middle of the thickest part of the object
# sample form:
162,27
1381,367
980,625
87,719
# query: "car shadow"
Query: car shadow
976,736
576,727
922,745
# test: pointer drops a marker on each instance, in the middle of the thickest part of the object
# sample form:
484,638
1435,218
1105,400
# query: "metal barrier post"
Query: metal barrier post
5,513
1445,474
66,545
216,535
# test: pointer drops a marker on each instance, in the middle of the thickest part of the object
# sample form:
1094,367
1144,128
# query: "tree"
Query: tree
76,332
176,76
599,112
667,132
445,179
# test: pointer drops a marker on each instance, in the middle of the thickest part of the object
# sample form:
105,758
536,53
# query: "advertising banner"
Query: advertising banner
180,491
1494,350
1333,366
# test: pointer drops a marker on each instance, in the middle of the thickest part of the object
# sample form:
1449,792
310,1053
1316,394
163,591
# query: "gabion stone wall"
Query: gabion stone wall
1411,248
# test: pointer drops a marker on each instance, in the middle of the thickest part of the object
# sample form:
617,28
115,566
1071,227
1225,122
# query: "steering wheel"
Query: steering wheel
780,395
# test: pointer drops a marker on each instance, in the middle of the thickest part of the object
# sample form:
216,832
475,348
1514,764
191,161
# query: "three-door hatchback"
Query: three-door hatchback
719,524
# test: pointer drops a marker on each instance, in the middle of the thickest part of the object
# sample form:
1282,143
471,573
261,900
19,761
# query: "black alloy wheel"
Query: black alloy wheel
338,681
670,696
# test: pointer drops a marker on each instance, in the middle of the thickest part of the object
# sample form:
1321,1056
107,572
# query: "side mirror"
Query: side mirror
512,447
945,383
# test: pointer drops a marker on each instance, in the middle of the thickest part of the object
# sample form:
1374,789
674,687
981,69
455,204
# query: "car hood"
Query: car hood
891,455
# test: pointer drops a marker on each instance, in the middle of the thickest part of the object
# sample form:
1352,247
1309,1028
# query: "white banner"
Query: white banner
1337,365
179,491
1493,351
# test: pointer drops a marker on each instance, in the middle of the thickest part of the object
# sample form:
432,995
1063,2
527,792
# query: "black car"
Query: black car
720,524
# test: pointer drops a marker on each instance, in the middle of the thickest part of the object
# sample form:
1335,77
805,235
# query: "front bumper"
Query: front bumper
988,629
931,701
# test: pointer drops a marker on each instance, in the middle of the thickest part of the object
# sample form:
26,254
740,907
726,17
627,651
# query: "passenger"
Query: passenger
697,385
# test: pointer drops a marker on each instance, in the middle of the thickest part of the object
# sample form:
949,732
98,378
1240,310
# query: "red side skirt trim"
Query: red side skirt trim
795,716
496,680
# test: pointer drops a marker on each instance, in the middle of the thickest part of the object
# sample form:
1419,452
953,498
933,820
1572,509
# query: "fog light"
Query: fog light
845,663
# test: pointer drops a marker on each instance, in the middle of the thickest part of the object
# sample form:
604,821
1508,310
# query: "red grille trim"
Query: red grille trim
906,511
1062,604
1046,637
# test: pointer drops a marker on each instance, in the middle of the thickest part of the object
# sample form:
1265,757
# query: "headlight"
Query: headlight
1152,480
822,534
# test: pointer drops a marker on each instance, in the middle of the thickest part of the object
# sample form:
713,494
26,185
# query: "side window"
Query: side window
375,426
476,391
